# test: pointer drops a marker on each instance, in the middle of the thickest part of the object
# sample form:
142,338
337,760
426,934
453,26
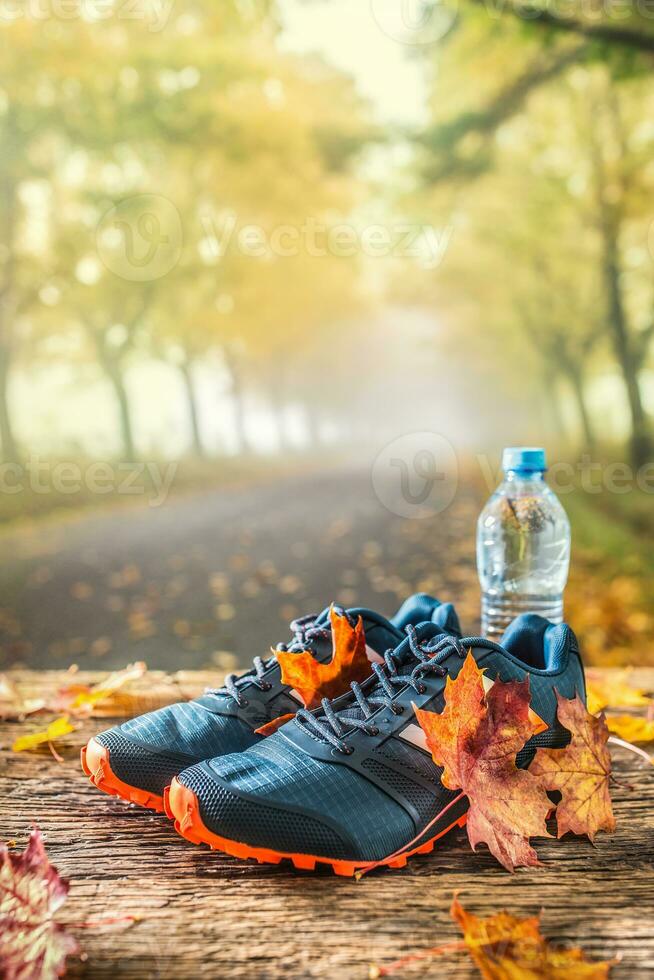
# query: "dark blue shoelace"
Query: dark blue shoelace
305,631
331,729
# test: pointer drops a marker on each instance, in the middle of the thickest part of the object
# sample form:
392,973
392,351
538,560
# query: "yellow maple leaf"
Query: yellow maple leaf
86,699
631,728
613,690
505,947
56,729
580,772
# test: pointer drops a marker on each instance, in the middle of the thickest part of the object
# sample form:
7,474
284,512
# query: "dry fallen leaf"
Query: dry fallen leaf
13,707
476,738
613,690
631,728
82,700
33,946
505,947
56,729
314,681
579,772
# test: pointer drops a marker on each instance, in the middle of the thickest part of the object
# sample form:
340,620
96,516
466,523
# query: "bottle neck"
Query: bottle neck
524,476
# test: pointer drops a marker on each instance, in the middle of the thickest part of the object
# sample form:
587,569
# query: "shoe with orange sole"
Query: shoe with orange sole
137,760
352,785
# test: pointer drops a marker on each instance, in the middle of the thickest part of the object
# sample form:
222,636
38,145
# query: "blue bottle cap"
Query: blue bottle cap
524,459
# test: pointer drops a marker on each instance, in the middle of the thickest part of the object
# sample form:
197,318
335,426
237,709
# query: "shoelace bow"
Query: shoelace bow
304,630
330,728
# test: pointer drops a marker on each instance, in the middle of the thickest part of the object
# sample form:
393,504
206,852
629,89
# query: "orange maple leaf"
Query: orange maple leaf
580,772
32,944
314,681
476,738
504,946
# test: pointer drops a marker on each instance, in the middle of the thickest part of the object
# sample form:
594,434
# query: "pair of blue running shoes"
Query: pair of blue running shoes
350,784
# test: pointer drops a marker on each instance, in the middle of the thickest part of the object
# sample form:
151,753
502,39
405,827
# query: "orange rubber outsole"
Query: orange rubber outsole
181,805
96,765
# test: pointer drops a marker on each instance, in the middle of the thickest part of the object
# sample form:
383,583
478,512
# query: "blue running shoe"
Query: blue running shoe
137,760
353,784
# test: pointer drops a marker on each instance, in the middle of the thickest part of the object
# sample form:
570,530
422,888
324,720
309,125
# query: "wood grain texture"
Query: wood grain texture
202,914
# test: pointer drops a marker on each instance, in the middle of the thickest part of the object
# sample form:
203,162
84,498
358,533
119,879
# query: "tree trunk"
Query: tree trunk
641,446
312,423
116,377
277,415
9,447
577,385
553,405
231,361
191,401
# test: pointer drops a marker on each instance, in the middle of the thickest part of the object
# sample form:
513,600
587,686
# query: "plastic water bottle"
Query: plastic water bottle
523,545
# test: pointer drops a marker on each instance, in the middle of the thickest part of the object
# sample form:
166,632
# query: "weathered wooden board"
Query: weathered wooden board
207,915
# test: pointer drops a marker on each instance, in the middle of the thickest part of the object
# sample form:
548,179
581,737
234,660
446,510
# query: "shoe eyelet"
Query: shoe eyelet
346,750
422,689
398,709
243,703
266,686
373,731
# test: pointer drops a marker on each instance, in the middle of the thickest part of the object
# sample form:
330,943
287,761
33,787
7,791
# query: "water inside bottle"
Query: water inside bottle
523,550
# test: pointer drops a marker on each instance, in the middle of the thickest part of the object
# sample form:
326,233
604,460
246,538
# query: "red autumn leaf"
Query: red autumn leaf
580,772
476,738
32,945
314,681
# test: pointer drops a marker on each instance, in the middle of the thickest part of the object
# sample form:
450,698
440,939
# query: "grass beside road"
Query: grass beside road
610,593
44,488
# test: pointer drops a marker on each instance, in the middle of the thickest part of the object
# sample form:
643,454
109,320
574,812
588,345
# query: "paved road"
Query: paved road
214,578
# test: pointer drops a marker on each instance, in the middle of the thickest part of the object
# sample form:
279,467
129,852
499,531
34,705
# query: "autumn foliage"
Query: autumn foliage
313,680
476,739
580,772
33,946
505,947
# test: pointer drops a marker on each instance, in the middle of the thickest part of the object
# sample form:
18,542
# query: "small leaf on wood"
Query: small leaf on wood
56,729
631,728
32,945
613,690
505,947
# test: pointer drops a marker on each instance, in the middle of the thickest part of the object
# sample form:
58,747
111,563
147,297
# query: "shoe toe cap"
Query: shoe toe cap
137,765
232,816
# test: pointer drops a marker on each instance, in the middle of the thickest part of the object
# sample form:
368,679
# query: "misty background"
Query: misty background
245,250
